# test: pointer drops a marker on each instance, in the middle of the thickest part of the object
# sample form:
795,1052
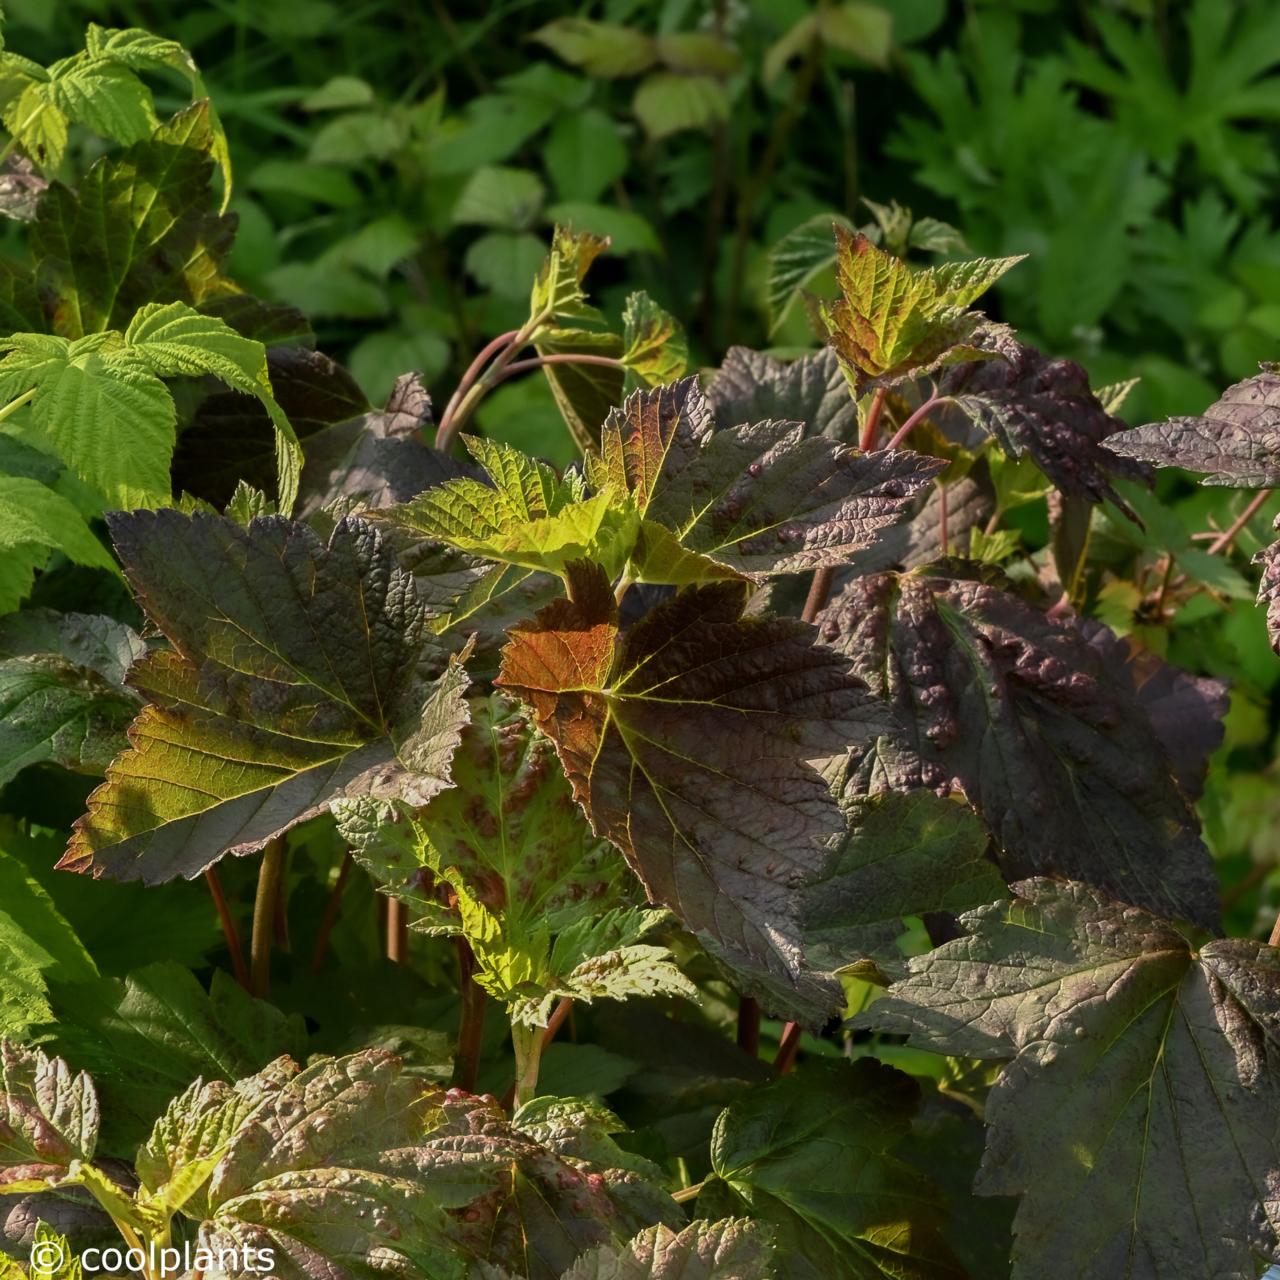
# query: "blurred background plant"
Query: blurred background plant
399,165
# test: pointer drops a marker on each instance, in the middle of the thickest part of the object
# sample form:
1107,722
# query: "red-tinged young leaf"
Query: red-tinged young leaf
731,1249
812,1155
1044,735
756,498
298,676
1042,407
690,743
1139,1118
895,321
1236,441
48,1118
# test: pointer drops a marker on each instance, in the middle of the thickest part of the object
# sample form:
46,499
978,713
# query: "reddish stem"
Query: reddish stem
907,427
397,931
229,930
819,590
1232,531
788,1047
563,357
474,370
331,909
871,428
466,1066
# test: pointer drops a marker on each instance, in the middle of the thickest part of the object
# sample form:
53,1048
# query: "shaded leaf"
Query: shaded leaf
895,321
145,1037
750,386
62,694
1236,441
796,260
297,677
689,742
1140,1115
1046,738
783,1148
599,48
654,347
138,230
904,854
1043,407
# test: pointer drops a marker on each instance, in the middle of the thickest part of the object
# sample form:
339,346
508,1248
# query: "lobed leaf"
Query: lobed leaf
654,347
1046,738
751,386
1139,1116
731,1249
296,678
895,321
1236,441
783,1149
48,1119
1043,408
689,741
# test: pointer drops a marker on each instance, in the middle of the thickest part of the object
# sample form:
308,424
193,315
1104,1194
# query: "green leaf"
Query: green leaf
557,292
1037,724
48,1119
106,413
667,103
138,230
496,196
894,321
627,231
524,515
296,678
584,154
34,516
662,729
904,854
145,1037
731,1249
62,694
754,499
782,1149
600,48
175,341
654,347
796,260
1139,1117
52,1258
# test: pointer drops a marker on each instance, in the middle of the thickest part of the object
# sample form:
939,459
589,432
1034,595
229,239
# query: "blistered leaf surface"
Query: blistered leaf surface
1140,1116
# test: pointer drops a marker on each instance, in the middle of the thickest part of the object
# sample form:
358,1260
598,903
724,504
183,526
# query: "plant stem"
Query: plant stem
871,428
14,405
566,357
819,590
559,1015
229,930
331,909
397,931
264,916
1274,939
907,427
788,1047
476,384
466,1065
528,1044
688,1193
749,1026
474,369
1234,529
